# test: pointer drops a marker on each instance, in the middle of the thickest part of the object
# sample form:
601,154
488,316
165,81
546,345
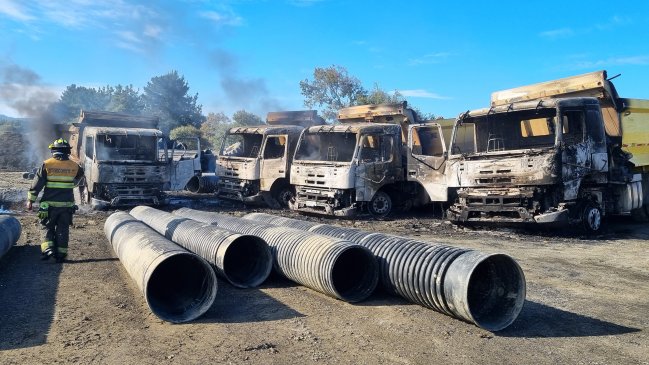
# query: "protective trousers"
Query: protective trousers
56,229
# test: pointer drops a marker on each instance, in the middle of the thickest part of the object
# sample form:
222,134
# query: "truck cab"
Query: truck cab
550,154
365,164
127,160
254,162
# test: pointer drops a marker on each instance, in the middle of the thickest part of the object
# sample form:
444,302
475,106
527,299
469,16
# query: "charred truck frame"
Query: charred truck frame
126,160
568,151
377,158
254,163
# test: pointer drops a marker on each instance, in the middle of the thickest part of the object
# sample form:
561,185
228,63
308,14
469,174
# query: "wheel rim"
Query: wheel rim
594,218
285,196
381,204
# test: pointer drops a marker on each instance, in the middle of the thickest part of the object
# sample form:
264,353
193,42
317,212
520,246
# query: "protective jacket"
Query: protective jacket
57,176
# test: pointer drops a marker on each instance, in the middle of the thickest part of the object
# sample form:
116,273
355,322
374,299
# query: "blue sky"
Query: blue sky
446,57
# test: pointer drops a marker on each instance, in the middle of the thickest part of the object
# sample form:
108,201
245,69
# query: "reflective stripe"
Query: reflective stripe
31,196
61,204
59,185
60,178
45,245
63,250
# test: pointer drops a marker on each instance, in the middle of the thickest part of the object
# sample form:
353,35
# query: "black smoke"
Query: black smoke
247,93
23,90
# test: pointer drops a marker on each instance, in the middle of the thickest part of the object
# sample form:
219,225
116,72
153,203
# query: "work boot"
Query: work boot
45,255
60,258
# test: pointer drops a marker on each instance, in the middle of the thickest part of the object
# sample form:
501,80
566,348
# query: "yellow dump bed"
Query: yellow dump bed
635,130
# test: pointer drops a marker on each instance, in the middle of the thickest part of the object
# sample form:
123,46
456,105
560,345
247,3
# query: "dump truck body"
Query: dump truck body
364,163
254,163
556,160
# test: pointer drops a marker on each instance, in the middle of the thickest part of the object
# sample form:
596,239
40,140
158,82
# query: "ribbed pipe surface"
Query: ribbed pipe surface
335,267
10,230
485,289
203,184
178,285
243,260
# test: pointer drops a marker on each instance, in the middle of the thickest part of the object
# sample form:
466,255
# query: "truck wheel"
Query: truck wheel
381,205
284,195
591,218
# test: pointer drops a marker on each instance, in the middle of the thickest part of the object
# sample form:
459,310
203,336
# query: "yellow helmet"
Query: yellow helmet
60,146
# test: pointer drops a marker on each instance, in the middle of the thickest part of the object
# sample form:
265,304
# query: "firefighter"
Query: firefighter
57,178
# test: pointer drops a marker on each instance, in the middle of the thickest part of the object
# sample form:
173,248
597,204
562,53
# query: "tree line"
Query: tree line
168,97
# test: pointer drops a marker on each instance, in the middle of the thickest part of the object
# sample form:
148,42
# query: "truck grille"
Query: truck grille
231,171
141,174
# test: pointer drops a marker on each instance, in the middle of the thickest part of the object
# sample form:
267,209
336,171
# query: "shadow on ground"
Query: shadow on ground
235,305
539,320
27,297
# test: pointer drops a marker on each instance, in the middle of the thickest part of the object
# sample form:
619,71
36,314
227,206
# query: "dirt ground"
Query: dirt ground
587,303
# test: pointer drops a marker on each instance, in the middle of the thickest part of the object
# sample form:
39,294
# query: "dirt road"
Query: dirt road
587,303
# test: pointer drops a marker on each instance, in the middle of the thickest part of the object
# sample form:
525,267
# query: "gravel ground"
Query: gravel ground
587,303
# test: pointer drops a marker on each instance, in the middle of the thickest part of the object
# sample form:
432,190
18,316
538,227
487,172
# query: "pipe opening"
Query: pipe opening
247,262
193,185
180,288
354,274
496,292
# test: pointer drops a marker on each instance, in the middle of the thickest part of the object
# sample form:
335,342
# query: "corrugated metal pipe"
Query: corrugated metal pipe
9,233
202,184
178,285
485,289
243,260
335,267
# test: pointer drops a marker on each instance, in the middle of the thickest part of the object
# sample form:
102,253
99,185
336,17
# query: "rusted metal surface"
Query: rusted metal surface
255,167
594,84
327,183
304,118
544,161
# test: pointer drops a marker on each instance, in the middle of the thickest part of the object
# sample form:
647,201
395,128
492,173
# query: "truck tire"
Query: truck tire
284,195
591,218
381,205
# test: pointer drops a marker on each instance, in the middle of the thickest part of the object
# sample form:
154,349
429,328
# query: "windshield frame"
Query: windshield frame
225,140
98,148
482,118
306,132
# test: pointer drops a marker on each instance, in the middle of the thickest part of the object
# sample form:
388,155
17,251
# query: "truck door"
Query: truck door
185,161
274,161
427,159
576,152
376,158
88,159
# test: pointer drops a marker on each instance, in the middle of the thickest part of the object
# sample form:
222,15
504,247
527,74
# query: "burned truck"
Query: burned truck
254,163
569,151
379,157
127,160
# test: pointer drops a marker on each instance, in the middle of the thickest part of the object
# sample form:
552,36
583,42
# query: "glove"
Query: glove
43,211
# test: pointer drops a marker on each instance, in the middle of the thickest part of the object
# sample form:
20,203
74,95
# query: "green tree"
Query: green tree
332,88
76,98
243,117
166,97
185,131
189,131
215,127
126,99
379,96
